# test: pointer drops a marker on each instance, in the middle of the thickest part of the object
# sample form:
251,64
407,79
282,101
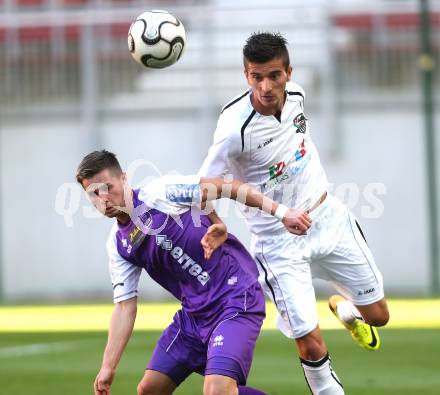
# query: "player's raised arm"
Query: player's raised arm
120,329
296,221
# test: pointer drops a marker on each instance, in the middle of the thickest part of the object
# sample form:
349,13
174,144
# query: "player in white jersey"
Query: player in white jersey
263,138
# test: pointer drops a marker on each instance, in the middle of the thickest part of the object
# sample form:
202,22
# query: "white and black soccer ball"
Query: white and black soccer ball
156,39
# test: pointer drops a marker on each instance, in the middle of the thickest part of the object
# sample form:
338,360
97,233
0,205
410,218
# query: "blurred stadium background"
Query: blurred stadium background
68,85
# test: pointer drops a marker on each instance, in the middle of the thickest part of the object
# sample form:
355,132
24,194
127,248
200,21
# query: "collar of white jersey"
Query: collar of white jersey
292,97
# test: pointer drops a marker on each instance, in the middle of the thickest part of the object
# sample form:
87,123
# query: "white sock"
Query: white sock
321,378
347,311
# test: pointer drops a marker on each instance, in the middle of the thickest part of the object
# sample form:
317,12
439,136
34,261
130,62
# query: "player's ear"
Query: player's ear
289,72
245,68
124,177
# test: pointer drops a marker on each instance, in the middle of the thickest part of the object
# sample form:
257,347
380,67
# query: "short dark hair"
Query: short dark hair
95,162
263,47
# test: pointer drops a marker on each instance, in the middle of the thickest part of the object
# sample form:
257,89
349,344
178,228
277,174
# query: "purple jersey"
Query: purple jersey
163,238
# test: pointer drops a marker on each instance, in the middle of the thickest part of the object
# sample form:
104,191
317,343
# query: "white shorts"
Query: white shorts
334,250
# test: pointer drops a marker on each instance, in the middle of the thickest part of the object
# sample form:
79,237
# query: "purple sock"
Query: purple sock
249,391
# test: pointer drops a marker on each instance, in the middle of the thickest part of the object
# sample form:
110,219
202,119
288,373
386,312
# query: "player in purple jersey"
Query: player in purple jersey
164,229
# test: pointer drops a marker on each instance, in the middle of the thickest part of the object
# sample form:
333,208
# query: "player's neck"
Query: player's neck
123,218
268,111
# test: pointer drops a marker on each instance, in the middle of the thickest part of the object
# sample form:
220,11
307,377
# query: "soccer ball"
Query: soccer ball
156,39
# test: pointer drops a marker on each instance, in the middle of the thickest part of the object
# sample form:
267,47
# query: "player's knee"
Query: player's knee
210,389
219,391
216,389
376,314
381,320
143,389
380,317
312,346
147,388
313,353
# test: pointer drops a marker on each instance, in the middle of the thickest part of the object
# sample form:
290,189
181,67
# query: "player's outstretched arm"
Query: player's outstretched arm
120,329
295,221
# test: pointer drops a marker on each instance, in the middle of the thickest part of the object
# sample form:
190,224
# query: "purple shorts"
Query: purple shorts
227,350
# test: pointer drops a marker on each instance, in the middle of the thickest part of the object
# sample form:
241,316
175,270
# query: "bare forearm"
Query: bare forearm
249,196
216,188
120,329
296,221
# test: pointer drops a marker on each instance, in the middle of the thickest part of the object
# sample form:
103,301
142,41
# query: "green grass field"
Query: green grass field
66,363
45,360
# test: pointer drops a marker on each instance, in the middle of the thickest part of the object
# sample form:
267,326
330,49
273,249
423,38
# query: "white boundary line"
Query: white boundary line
38,348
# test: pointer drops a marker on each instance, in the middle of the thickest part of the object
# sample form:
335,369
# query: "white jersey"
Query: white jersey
277,157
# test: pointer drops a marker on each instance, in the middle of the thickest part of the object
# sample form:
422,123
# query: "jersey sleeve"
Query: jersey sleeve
224,147
293,88
172,194
124,275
